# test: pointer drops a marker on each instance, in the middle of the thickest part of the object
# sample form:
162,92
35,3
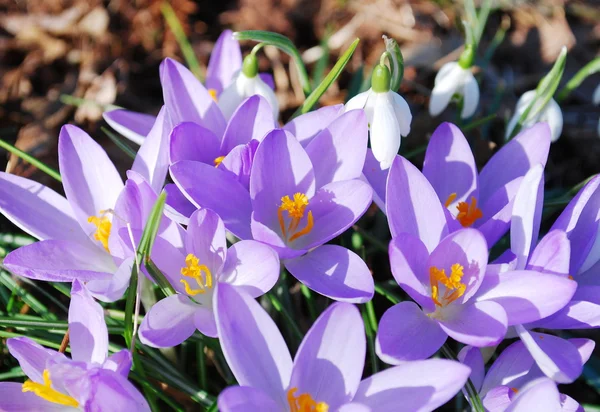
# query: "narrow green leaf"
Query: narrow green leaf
27,297
159,278
386,294
474,398
286,316
282,43
331,77
119,142
186,48
586,71
151,229
31,160
130,306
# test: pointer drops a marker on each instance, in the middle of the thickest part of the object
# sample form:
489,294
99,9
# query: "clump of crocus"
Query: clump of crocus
326,372
89,380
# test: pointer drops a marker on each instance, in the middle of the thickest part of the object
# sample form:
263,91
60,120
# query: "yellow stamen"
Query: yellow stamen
218,160
450,199
46,392
295,208
468,213
213,94
304,402
103,226
571,277
194,270
454,287
515,390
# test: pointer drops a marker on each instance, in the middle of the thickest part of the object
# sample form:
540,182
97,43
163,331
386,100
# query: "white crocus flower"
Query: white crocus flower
550,114
247,83
388,115
455,78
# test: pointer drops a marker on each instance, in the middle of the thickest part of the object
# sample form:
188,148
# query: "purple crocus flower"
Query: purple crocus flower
326,372
445,274
89,380
77,240
512,372
479,200
196,271
299,199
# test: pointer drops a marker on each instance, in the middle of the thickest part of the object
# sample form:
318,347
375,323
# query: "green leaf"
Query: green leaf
474,398
159,278
331,77
282,43
119,142
130,306
396,62
586,71
184,44
28,298
31,160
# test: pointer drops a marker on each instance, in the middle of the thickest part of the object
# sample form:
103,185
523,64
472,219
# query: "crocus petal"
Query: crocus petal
169,322
338,151
245,398
497,399
205,322
413,386
450,166
446,82
527,215
225,60
178,207
473,358
406,333
412,205
91,181
113,392
252,120
190,141
569,404
119,362
335,207
219,192
306,126
32,357
527,296
354,407
470,95
206,239
377,178
510,368
582,312
132,125
408,259
113,288
552,254
87,328
60,261
514,159
13,399
335,272
385,131
152,159
37,209
263,361
321,366
466,247
239,162
251,266
556,357
497,212
478,324
538,395
186,98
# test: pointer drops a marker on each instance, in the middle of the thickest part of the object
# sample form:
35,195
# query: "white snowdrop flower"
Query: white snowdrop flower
596,100
247,83
550,114
388,115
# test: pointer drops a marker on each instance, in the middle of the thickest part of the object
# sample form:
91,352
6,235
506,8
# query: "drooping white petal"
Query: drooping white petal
358,102
522,104
553,116
446,83
240,89
385,130
403,114
596,96
470,94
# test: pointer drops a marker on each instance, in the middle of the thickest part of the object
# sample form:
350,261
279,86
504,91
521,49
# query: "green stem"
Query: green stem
587,70
374,240
370,332
202,366
286,315
387,294
30,159
474,398
310,301
476,123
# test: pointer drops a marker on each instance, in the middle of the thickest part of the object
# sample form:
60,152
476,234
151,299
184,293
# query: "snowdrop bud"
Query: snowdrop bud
551,114
247,83
388,115
453,79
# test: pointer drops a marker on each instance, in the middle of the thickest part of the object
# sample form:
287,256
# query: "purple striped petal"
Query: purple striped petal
552,254
169,322
206,239
181,207
113,392
582,312
252,120
511,368
225,60
497,212
32,357
477,324
473,358
13,399
306,126
87,329
190,141
132,125
538,395
377,178
245,398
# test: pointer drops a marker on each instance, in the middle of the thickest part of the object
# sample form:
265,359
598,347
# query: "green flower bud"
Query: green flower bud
467,58
250,66
380,80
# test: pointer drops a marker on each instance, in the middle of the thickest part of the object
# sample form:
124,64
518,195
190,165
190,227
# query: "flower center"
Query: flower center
218,160
295,208
213,94
453,286
103,226
194,270
304,402
46,392
468,213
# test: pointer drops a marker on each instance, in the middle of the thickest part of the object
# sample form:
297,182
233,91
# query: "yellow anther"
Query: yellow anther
468,213
304,402
46,392
454,288
213,94
194,270
295,208
103,226
450,199
218,160
515,390
571,277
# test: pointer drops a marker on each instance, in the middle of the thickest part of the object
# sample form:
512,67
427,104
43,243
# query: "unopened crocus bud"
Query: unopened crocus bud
247,83
388,115
550,114
456,78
